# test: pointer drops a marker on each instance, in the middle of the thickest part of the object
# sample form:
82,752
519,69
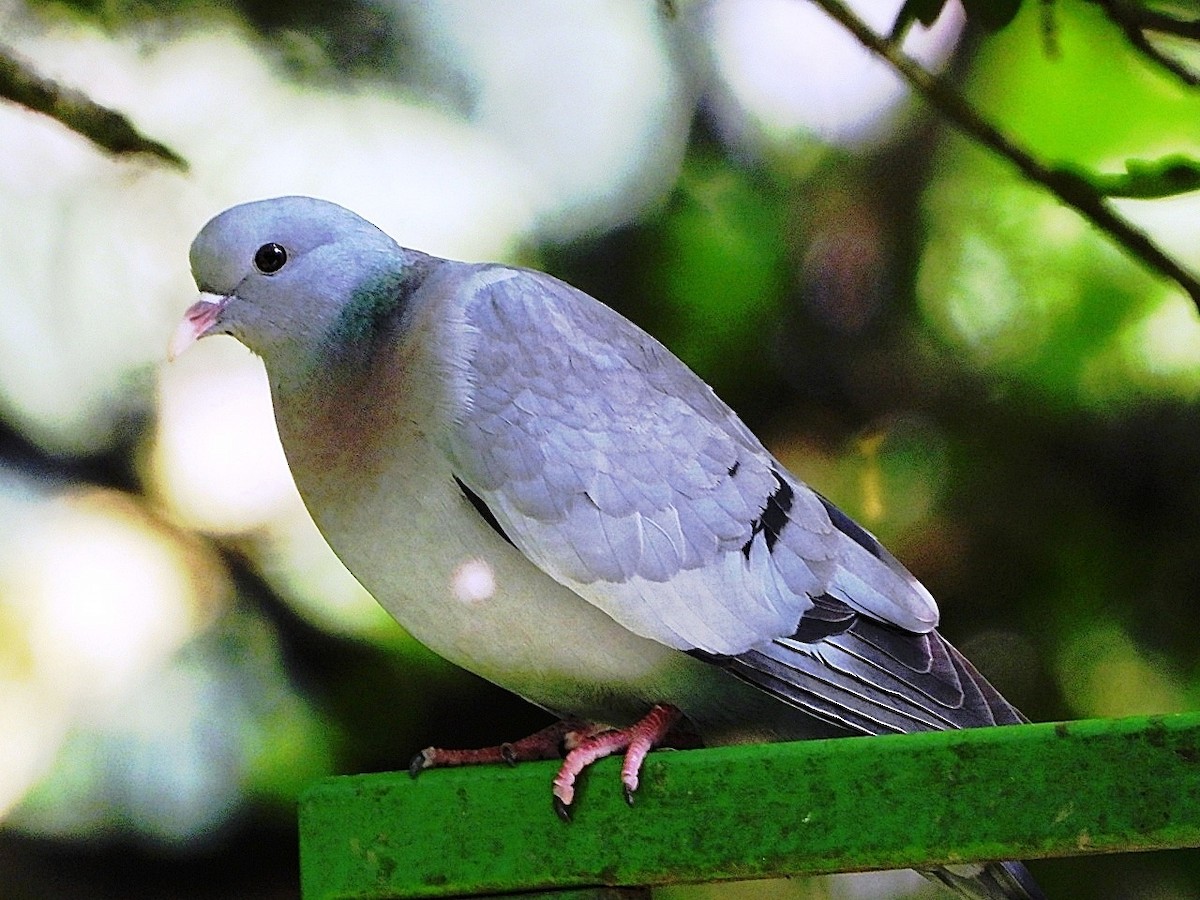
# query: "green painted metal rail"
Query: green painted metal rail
766,810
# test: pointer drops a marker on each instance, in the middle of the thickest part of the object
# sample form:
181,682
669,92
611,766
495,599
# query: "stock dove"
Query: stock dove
541,493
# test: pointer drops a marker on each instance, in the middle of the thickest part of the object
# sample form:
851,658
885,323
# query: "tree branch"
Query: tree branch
1067,185
104,127
1134,22
1152,20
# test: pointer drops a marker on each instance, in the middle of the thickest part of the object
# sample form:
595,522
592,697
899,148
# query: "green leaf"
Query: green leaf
1146,179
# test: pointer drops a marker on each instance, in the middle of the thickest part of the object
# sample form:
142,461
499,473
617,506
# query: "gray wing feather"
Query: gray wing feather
617,471
870,677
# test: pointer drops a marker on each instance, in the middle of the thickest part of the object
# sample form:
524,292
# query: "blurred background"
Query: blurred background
970,369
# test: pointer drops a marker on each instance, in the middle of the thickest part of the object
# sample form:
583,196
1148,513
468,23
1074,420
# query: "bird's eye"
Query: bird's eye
270,258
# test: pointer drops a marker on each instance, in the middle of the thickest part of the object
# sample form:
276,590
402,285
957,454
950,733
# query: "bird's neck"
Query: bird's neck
344,423
369,321
339,349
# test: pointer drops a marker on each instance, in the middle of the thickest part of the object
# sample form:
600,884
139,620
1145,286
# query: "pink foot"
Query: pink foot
544,744
637,740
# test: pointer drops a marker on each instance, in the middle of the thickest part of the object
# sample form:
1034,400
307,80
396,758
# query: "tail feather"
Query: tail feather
988,881
873,678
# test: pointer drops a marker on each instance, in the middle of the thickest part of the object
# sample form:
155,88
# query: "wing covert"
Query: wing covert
616,470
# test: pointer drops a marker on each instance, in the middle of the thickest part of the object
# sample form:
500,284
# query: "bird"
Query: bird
543,494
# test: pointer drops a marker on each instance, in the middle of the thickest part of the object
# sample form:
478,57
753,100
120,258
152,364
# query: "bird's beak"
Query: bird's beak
199,318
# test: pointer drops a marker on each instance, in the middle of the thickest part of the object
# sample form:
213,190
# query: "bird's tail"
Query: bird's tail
988,881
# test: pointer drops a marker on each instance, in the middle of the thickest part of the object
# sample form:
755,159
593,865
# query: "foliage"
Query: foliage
999,387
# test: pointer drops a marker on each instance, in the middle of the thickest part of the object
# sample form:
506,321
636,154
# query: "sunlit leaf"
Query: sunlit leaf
1026,288
1147,179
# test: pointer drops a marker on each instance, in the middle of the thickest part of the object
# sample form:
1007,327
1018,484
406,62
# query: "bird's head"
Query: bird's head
281,275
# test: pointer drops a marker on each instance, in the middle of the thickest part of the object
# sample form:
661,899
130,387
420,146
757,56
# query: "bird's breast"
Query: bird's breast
384,496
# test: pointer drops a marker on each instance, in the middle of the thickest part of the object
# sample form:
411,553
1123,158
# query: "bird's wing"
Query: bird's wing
617,471
867,676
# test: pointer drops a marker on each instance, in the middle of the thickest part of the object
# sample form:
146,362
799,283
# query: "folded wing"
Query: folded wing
617,471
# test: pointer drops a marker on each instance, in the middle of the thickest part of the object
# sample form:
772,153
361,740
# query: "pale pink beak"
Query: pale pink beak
200,317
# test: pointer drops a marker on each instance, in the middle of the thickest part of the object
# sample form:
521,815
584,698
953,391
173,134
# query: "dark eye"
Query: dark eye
270,258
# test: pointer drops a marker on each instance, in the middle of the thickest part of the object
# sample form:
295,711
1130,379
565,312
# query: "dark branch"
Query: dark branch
1068,186
1134,22
1152,20
102,126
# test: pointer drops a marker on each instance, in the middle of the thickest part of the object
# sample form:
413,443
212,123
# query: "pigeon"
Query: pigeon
541,493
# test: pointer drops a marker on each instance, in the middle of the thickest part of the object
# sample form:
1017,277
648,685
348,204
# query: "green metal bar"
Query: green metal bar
764,810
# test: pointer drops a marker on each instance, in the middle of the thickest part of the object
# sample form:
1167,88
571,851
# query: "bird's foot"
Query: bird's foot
545,744
596,742
581,743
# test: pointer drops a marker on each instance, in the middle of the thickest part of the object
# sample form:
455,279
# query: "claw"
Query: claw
421,762
585,743
562,809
